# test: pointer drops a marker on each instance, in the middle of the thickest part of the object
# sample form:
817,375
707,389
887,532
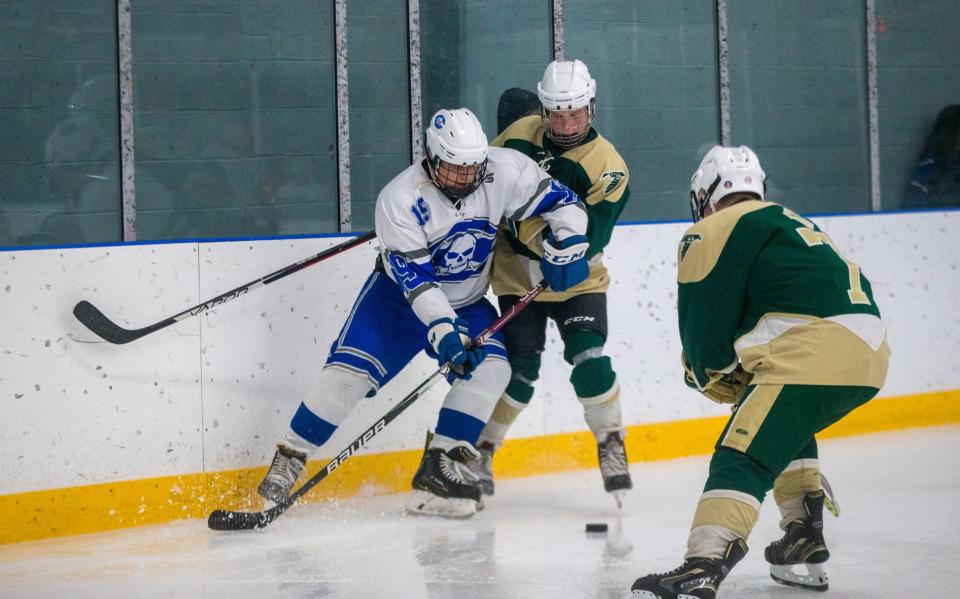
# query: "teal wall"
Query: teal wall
798,96
234,117
379,101
59,172
472,50
655,62
918,47
235,103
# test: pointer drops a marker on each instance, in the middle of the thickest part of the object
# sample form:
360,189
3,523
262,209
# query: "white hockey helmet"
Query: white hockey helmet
722,172
567,86
456,152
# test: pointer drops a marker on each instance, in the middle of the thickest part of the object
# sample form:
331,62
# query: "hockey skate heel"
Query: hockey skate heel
795,560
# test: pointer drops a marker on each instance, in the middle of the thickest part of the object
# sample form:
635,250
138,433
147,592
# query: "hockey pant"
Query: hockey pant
380,336
768,443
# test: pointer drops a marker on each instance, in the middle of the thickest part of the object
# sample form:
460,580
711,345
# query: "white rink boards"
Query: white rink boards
216,392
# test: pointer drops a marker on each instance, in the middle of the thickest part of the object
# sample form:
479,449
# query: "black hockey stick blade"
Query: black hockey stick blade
92,318
230,520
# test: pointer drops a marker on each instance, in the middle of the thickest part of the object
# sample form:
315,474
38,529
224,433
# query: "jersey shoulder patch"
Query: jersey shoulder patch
603,165
612,180
688,240
703,243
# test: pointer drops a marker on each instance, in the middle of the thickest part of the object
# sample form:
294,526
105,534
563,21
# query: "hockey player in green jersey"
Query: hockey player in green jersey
562,140
774,320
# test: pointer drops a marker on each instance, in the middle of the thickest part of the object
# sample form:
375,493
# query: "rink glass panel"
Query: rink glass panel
379,101
235,118
798,97
59,136
472,50
655,64
918,56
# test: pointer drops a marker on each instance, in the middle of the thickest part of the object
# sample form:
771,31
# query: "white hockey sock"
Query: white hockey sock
478,396
602,413
709,541
722,515
797,479
504,414
334,396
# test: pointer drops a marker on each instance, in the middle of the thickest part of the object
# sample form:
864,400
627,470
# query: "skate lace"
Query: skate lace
284,468
780,543
613,458
678,570
455,471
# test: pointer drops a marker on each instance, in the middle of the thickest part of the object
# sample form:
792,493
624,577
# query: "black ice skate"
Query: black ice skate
444,485
482,467
697,578
284,471
802,545
613,466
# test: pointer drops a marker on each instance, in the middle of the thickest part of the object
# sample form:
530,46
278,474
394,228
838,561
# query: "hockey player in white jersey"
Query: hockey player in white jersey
436,223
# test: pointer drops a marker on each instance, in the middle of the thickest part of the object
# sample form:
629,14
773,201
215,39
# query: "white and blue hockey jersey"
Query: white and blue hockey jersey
439,251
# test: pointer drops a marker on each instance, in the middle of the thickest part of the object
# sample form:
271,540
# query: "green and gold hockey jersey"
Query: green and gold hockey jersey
762,286
597,173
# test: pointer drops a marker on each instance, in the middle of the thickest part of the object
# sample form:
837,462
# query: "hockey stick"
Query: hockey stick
230,520
92,318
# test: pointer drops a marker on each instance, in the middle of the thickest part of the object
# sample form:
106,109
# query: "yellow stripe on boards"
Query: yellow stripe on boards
109,506
93,508
895,413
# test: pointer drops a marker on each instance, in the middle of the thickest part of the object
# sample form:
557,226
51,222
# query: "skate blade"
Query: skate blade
814,579
428,504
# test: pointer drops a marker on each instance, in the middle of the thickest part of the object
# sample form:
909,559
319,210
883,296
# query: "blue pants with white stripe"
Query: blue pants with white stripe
381,335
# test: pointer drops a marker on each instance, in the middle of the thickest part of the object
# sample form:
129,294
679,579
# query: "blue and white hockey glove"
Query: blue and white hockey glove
564,264
451,339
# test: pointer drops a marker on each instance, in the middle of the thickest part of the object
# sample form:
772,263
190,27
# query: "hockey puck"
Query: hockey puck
596,527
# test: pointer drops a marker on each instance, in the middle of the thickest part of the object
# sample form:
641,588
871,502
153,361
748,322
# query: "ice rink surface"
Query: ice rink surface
898,536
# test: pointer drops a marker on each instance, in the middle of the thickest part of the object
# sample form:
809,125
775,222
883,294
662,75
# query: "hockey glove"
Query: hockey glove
729,388
564,264
722,388
450,340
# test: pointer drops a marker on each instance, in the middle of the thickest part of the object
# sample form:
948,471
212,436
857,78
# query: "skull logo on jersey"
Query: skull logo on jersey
464,251
459,254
